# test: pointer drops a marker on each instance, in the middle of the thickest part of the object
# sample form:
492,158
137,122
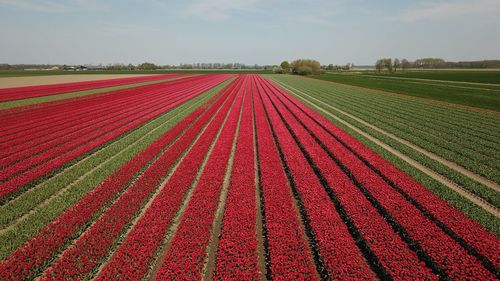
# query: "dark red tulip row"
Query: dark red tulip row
186,256
237,253
31,258
442,253
400,261
16,176
471,232
25,92
132,259
288,250
332,235
33,140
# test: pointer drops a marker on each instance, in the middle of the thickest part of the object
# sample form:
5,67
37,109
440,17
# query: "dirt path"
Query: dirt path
10,82
459,189
423,100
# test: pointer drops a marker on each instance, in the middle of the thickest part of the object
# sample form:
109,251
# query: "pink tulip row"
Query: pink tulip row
17,93
57,157
28,142
31,258
437,249
186,255
132,259
237,251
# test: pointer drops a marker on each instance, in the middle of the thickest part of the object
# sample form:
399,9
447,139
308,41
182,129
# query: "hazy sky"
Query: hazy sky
246,31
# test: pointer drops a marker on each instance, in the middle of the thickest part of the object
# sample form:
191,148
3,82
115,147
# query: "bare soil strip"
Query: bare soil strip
424,100
82,177
210,260
462,191
11,82
446,162
169,237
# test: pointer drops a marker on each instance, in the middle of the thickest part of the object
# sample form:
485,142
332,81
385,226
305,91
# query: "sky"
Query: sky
246,31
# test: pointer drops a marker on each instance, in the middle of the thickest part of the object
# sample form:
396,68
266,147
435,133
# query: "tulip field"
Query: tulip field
228,177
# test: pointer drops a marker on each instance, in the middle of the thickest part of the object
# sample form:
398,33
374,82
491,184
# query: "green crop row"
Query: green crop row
470,95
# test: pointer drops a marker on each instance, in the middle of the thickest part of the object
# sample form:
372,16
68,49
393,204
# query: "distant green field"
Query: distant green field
20,73
474,76
477,95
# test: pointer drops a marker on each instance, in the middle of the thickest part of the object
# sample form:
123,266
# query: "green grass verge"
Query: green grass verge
37,100
123,150
474,96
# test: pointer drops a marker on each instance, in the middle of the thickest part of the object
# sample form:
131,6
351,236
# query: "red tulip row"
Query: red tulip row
52,116
29,259
132,259
62,156
17,93
332,235
65,140
40,130
400,261
237,253
88,251
434,246
287,248
468,230
186,255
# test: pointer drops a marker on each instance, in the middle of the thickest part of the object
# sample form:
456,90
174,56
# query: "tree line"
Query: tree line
299,67
392,65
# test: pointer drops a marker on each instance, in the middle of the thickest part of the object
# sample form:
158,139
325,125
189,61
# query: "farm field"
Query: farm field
479,89
245,177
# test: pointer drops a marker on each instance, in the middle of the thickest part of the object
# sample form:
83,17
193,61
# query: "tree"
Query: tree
147,66
405,64
285,66
396,64
388,64
304,70
305,67
379,65
278,70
